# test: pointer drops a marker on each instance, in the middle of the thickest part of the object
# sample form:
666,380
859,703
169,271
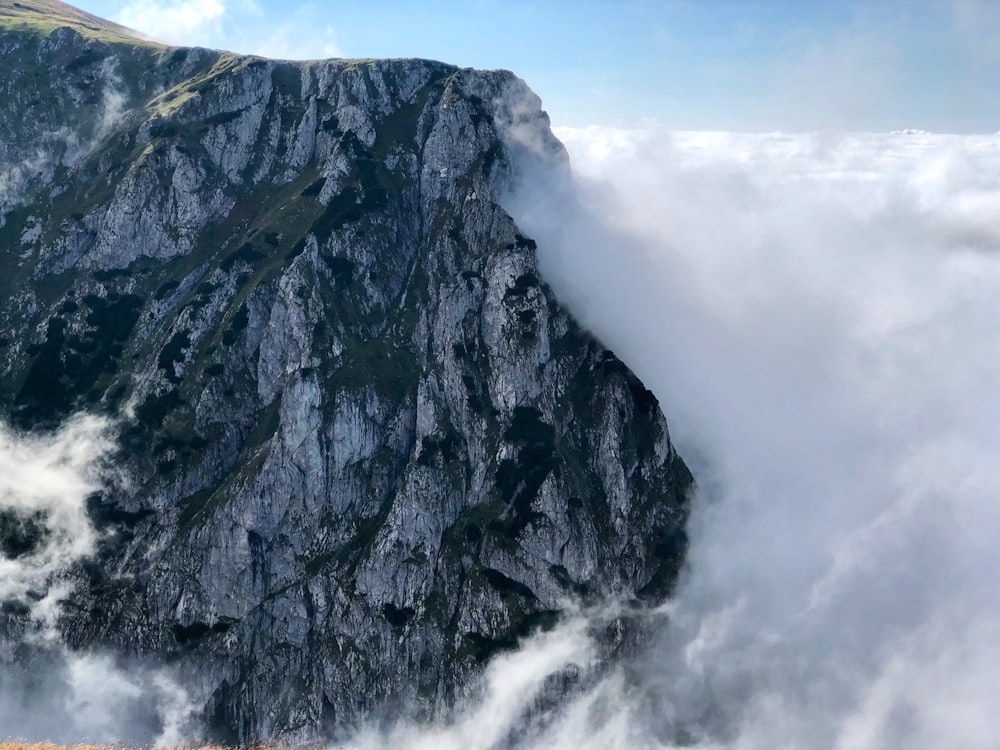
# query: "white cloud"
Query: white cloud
177,21
44,484
52,694
243,26
296,38
512,685
817,314
45,530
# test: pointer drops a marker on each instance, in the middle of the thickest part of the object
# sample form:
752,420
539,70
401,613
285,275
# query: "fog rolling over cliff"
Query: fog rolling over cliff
819,312
358,446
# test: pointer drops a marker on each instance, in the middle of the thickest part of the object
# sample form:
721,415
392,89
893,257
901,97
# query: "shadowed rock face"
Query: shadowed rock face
365,446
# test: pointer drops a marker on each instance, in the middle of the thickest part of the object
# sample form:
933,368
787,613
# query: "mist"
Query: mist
49,692
23,167
44,484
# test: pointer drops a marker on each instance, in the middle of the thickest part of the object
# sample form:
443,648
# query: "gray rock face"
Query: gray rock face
366,447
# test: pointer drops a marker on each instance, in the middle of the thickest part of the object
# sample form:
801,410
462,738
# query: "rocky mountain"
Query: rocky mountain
364,446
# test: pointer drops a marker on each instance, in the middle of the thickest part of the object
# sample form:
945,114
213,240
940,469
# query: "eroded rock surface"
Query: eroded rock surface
365,446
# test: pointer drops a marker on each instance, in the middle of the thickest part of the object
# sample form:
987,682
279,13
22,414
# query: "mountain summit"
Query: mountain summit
365,447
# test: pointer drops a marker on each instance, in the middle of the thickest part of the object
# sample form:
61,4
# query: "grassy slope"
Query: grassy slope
44,16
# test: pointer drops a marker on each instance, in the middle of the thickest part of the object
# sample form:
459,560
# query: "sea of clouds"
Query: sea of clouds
818,315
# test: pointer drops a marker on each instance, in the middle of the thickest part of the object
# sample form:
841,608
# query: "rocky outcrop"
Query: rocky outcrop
365,446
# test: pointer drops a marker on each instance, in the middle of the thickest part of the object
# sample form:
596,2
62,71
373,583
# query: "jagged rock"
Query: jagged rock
366,447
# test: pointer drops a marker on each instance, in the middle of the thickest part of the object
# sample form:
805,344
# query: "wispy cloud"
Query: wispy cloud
47,691
33,165
44,484
177,21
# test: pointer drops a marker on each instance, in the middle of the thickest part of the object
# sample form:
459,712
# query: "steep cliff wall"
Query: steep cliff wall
365,446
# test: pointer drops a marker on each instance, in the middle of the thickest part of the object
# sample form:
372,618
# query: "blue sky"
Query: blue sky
690,64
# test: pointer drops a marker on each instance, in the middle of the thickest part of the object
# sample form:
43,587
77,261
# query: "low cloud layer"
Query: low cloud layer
47,691
818,316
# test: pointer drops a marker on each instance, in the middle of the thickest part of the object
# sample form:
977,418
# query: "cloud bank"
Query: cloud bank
817,314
